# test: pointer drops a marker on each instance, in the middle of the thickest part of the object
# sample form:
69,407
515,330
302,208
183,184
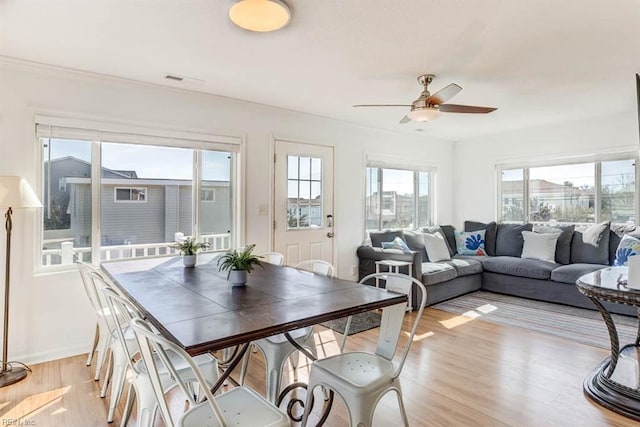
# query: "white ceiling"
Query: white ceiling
539,61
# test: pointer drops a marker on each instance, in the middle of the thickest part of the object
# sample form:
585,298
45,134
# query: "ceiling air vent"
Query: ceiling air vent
174,77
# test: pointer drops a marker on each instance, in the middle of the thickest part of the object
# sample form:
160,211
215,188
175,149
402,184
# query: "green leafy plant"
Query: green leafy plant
190,246
242,259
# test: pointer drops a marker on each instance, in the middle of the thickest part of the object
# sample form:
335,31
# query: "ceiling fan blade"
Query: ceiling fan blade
454,108
404,120
382,105
444,94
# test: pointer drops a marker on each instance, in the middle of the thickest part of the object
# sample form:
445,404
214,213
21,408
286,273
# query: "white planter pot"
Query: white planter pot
189,260
238,277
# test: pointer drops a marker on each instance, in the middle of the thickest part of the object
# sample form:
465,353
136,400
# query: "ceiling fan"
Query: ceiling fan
428,107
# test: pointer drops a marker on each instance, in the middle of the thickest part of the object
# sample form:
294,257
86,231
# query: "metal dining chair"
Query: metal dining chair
317,266
240,406
362,378
275,258
140,390
277,349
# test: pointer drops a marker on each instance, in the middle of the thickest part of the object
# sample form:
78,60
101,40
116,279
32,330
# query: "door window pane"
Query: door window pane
304,191
67,201
513,195
618,191
563,193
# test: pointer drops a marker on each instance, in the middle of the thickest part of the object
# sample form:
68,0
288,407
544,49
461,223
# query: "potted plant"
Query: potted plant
239,264
189,248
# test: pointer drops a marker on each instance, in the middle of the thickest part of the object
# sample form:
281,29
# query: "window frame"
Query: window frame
431,170
597,160
95,132
130,200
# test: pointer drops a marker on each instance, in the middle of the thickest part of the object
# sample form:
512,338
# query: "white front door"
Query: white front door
303,213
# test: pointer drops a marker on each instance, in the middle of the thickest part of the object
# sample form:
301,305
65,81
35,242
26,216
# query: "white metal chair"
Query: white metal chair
362,378
102,337
275,258
276,349
239,407
317,266
140,389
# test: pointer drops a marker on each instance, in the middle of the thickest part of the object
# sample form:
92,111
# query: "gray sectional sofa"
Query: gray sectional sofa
502,270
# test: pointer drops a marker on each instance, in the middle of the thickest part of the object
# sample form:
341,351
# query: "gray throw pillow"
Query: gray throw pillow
591,246
377,237
489,234
450,236
415,241
509,239
565,235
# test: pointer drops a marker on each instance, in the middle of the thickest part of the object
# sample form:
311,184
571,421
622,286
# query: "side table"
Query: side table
615,382
394,267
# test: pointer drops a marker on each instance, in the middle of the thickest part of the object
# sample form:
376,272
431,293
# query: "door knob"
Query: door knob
330,234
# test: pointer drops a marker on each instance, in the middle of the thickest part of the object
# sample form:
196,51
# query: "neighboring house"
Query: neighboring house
135,210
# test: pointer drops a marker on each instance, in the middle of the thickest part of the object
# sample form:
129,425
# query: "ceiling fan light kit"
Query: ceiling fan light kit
429,107
260,15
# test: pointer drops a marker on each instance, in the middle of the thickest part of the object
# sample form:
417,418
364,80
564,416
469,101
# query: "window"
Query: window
585,192
145,195
304,192
129,194
397,198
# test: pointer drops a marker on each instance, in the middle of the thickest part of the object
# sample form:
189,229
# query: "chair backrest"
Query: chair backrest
275,258
90,286
317,266
151,343
122,313
393,317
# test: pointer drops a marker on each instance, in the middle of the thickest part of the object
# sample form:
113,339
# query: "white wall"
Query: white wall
50,316
475,160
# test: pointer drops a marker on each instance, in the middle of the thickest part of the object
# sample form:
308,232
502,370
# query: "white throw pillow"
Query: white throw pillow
539,246
436,247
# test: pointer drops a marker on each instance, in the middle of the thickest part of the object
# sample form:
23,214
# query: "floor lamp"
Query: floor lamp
15,193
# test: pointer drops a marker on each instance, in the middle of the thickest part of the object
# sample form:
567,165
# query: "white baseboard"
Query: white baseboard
46,356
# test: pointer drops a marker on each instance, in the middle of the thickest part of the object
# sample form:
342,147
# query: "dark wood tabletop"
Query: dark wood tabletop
199,310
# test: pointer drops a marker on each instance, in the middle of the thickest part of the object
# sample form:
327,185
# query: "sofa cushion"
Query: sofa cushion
509,239
470,242
616,234
531,268
449,233
479,258
436,246
570,273
377,237
591,246
415,241
489,235
465,267
565,235
437,272
437,229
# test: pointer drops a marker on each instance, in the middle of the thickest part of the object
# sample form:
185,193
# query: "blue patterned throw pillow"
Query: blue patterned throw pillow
629,246
397,243
470,242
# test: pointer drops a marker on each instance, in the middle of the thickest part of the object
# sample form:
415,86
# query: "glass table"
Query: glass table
615,382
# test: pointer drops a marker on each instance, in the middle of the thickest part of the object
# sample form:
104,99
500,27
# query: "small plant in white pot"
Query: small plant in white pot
239,264
189,249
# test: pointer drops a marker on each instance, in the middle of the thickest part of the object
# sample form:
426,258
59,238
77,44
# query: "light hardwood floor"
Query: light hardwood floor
460,372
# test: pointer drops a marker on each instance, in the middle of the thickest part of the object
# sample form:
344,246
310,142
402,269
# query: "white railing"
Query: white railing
67,254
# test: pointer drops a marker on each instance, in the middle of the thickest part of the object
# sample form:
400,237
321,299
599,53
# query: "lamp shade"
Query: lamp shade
16,193
260,15
424,114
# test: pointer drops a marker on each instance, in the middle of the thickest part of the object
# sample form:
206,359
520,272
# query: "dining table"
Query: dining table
199,310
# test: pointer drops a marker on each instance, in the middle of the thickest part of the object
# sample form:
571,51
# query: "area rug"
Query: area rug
576,324
360,323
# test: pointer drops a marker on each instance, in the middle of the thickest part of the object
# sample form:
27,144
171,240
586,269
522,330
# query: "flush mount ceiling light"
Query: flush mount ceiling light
260,15
424,114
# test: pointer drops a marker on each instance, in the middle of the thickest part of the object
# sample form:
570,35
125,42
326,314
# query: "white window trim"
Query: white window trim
597,159
89,130
116,200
